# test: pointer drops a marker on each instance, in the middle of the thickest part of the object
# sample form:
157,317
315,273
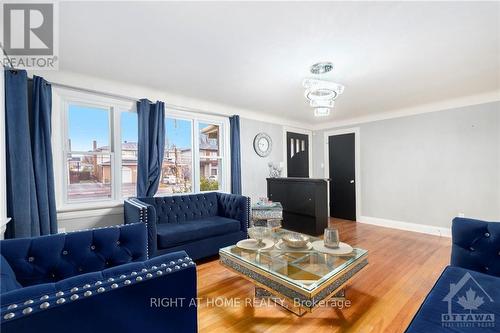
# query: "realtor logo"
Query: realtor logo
29,35
465,299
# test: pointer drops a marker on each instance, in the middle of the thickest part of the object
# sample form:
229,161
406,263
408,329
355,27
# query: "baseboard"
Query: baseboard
422,228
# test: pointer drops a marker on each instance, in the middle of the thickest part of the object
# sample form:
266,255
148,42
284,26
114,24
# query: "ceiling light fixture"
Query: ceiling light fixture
321,67
321,112
320,93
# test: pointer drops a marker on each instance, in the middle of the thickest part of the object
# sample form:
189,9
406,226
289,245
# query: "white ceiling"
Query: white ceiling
255,55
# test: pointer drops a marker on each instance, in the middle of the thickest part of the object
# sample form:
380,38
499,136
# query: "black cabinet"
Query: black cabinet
304,201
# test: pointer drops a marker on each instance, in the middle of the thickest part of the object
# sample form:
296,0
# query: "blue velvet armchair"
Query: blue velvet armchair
95,281
199,224
475,267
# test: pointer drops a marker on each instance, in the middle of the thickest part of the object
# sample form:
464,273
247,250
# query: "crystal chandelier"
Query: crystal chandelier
321,94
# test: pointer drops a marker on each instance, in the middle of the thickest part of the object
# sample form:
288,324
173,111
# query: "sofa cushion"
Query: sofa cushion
459,294
8,280
172,234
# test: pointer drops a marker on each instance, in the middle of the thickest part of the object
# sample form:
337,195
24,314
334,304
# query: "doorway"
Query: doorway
342,157
297,152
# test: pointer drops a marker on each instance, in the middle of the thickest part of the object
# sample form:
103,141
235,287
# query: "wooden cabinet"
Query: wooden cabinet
304,201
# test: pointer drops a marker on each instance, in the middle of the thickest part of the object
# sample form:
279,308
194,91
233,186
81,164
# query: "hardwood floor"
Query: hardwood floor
385,295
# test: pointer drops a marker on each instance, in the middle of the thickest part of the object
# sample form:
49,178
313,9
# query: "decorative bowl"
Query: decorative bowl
259,233
295,240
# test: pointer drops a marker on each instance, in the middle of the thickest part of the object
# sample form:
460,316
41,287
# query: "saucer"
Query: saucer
251,244
343,248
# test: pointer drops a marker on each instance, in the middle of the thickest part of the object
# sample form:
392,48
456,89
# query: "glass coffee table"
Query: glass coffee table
299,280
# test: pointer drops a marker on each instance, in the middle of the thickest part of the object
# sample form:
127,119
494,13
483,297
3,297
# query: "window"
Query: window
98,152
95,149
194,157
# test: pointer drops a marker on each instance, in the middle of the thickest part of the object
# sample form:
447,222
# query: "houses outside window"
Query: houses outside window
99,152
181,157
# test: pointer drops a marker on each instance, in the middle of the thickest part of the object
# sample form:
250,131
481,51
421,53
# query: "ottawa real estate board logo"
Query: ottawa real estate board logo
465,299
30,35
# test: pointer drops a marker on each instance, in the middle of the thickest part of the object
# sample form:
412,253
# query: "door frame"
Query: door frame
309,138
357,163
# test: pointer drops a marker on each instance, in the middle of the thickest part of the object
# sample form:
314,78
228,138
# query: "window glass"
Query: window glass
89,177
88,128
177,173
210,174
89,162
210,164
209,139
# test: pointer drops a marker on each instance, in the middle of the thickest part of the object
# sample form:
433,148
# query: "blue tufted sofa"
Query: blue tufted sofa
475,265
199,224
95,281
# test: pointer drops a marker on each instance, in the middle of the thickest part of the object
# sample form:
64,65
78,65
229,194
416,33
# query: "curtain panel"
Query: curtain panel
30,178
234,123
151,146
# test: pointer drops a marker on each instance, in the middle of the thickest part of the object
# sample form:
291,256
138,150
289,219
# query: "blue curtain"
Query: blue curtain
151,146
41,146
30,197
234,123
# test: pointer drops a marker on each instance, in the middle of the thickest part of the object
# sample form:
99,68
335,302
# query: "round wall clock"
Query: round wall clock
262,144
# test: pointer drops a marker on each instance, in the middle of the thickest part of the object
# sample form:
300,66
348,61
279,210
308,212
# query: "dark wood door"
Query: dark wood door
342,176
297,152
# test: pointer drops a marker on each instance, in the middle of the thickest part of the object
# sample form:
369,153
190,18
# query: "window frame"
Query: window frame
64,97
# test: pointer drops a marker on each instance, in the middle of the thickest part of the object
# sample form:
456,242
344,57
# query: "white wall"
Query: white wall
426,169
254,169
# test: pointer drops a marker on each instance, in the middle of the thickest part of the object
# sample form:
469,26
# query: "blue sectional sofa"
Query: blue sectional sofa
95,281
199,224
466,298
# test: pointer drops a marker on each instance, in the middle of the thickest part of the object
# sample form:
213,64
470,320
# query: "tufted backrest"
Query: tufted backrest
181,208
476,245
52,258
234,207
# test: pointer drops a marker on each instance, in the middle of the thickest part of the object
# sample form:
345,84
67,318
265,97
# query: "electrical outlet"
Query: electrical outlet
461,214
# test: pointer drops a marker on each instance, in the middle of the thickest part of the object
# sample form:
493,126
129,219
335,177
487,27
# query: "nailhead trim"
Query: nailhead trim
9,315
187,261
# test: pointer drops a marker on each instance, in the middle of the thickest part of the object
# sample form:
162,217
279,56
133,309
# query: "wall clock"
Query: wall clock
262,144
